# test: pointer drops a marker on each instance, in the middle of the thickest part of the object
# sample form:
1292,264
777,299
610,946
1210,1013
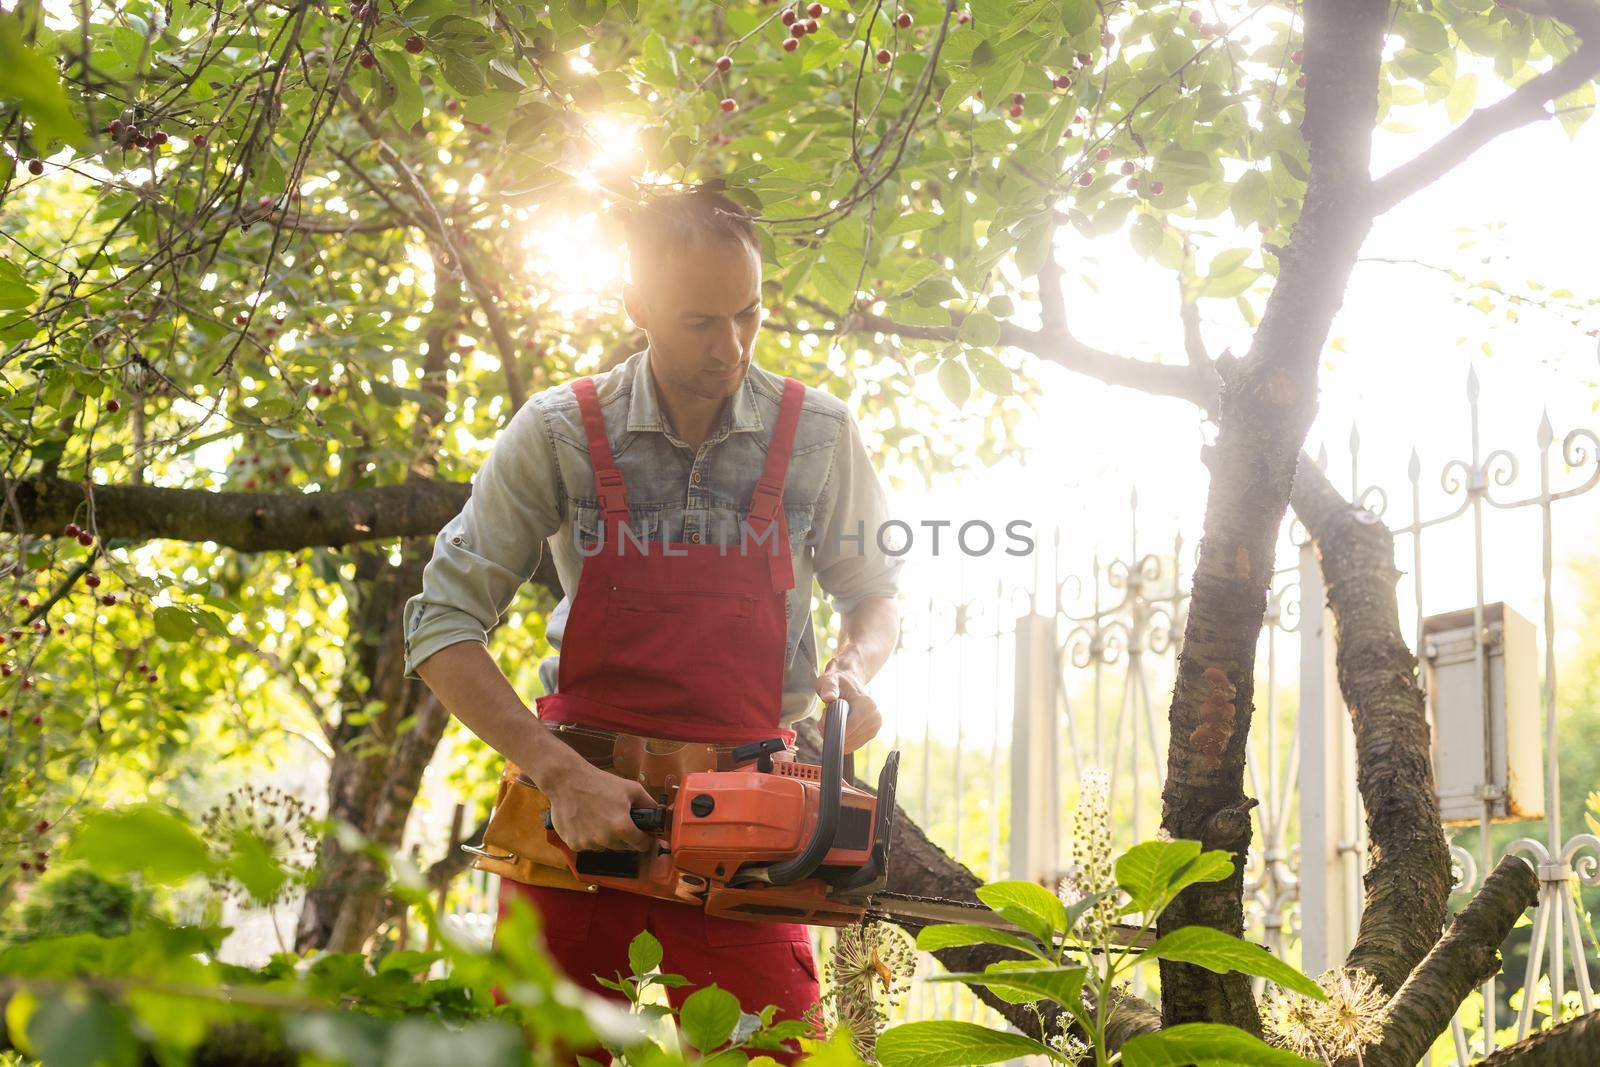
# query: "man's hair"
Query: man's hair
671,221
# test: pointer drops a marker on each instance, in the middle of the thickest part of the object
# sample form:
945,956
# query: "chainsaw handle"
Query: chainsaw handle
833,726
650,820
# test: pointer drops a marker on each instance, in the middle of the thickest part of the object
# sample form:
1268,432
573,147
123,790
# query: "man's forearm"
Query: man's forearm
867,635
471,686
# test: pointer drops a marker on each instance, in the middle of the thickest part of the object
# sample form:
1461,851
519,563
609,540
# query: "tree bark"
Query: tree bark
1574,1043
1465,958
1267,405
1408,881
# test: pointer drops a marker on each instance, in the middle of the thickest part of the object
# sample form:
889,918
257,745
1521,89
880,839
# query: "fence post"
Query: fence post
1327,781
1035,786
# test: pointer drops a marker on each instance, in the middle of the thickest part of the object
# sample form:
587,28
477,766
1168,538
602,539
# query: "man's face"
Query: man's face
702,311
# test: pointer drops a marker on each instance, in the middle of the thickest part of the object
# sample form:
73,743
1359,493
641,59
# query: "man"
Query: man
688,496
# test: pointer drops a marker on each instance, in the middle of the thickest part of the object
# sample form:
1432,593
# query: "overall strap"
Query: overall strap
768,495
607,479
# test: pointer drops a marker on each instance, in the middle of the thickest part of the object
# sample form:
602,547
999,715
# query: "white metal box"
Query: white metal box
1485,749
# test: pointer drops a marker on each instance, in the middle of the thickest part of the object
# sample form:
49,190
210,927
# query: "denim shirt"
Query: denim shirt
537,485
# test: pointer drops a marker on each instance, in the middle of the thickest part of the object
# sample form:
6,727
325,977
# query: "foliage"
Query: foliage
1074,953
147,986
76,900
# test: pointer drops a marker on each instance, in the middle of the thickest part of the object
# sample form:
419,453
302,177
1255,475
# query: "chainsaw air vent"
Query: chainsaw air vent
798,770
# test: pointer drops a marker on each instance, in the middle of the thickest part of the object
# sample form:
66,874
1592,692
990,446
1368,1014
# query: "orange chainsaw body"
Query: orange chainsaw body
775,841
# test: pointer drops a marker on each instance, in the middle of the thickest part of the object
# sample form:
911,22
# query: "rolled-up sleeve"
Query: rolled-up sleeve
483,555
851,565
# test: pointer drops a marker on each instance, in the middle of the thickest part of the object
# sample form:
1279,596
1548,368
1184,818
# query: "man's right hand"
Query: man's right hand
589,808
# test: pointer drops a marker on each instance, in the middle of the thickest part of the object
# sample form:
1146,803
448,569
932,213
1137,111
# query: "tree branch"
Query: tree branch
1408,881
1466,957
1574,1043
1524,105
1198,385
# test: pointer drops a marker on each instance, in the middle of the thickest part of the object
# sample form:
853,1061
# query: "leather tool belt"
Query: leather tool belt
515,844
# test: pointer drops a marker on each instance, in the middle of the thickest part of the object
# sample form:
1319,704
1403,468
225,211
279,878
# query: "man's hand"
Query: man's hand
842,678
589,808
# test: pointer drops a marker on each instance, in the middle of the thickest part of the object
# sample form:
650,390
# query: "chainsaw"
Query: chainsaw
776,840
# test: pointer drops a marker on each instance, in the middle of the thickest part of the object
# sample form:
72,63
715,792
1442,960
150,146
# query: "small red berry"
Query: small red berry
1107,40
86,539
1295,56
724,63
884,55
1133,183
114,127
41,826
1086,178
1084,59
159,137
72,529
108,598
1103,155
240,319
35,166
367,60
1016,111
814,10
788,17
113,405
903,20
729,104
1063,81
1196,18
811,25
790,44
26,866
797,30
1127,168
1017,98
5,713
249,483
144,665
1156,188
415,44
198,140
694,39
963,18
1300,82
152,677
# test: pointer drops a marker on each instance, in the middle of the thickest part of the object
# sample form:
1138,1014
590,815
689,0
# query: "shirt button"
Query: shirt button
455,540
695,477
695,537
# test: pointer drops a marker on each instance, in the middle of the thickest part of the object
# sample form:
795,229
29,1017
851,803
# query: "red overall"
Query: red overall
683,641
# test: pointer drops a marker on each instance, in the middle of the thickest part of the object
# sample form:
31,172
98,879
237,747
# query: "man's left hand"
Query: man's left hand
842,679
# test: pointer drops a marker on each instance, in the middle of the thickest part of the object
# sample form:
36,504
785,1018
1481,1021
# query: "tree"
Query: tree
267,215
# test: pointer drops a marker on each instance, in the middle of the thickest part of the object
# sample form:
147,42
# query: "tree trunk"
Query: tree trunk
1267,404
376,769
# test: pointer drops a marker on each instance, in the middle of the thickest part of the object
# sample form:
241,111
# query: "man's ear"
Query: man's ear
637,307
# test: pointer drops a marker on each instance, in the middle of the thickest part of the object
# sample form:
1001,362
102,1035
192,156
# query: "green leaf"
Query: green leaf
1022,981
1463,94
644,953
174,624
980,329
1030,906
81,1030
1145,235
30,80
256,868
407,106
1251,197
959,935
1220,952
955,381
948,1043
708,1017
1154,872
149,839
992,374
1205,1045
